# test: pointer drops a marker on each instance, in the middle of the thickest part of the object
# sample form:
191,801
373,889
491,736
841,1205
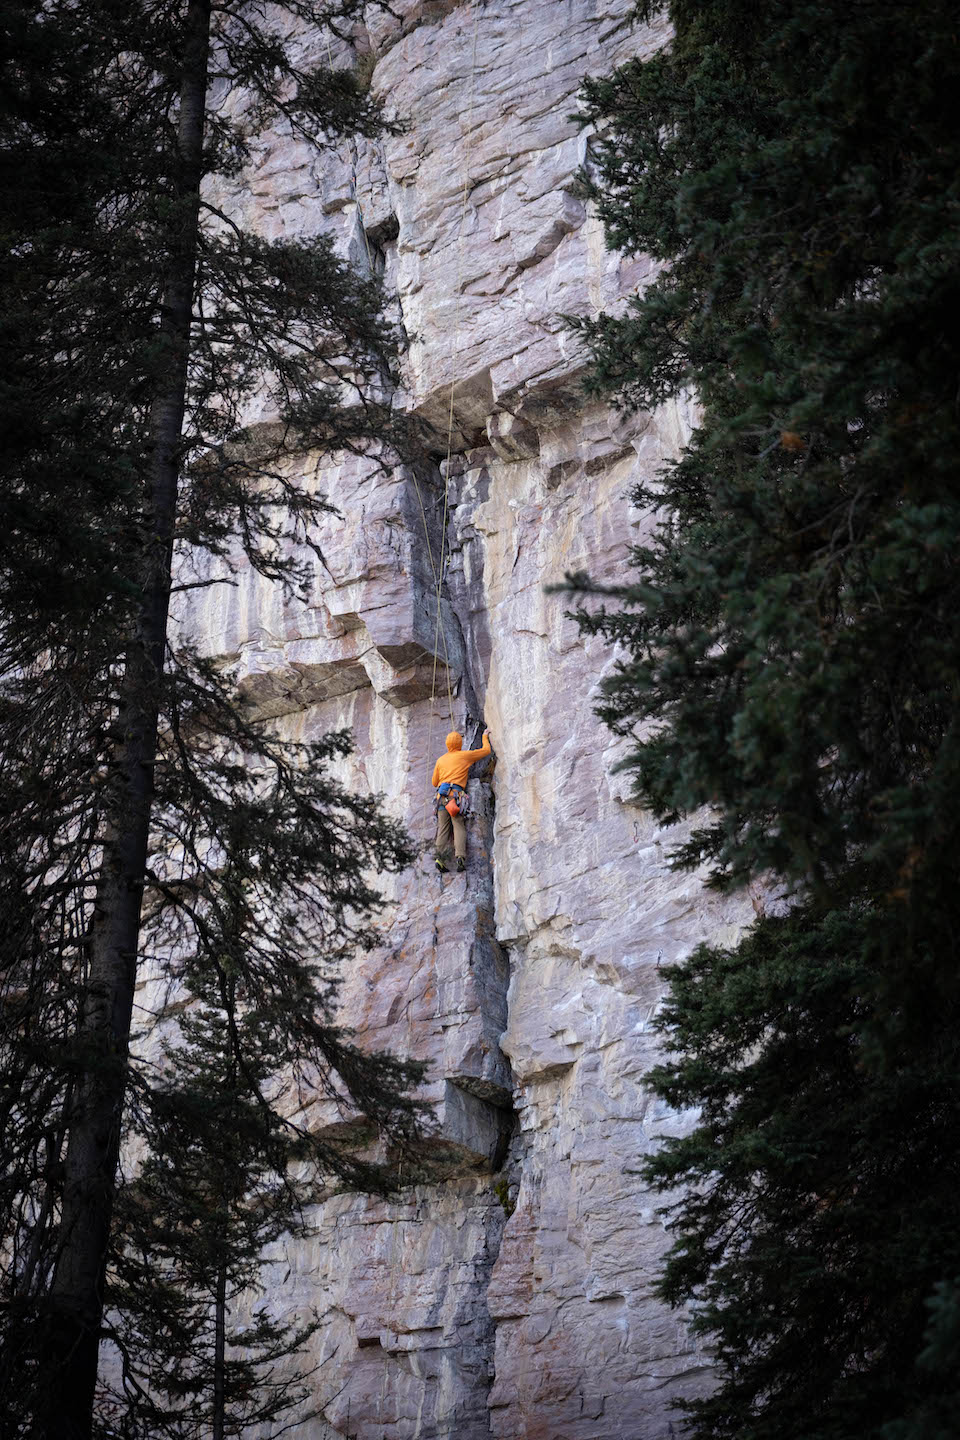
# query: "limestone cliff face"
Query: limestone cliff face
512,1298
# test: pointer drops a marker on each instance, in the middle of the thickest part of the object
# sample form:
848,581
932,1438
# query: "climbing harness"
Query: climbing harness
451,797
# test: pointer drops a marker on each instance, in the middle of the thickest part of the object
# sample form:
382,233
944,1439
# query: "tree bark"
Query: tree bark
220,1354
228,1199
71,1352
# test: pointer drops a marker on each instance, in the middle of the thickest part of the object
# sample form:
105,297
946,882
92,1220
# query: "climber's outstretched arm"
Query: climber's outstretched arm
480,754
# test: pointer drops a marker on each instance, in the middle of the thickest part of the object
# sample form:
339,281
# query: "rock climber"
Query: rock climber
450,781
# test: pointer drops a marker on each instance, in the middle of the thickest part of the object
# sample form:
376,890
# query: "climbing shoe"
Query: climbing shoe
440,865
461,863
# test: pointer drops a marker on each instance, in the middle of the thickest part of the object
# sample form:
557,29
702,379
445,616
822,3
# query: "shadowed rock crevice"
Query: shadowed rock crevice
529,983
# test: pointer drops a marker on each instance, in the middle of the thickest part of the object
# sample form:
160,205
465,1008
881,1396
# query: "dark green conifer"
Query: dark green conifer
139,320
792,660
224,1170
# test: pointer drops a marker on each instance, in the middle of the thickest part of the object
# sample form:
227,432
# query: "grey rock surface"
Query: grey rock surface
514,1297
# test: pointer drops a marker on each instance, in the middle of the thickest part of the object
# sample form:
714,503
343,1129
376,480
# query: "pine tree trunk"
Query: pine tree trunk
94,1123
219,1354
230,1197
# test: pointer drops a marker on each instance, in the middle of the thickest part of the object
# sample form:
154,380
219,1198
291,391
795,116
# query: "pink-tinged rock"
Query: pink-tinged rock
530,983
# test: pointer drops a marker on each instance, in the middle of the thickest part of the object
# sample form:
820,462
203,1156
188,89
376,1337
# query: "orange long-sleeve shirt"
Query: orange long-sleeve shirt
454,767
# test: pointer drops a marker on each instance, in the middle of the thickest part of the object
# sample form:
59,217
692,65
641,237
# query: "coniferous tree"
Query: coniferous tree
223,1120
791,656
139,322
200,1351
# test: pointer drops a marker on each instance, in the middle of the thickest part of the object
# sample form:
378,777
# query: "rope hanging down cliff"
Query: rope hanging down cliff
438,570
439,636
464,195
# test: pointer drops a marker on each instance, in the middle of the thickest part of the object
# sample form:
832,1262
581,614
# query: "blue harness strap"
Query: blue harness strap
444,792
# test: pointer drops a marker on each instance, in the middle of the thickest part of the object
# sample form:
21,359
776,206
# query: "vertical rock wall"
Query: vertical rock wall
512,1297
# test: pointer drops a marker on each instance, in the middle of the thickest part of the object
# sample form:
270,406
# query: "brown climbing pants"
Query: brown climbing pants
446,822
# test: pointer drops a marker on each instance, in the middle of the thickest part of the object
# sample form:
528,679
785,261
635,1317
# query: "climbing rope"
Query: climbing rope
438,570
465,193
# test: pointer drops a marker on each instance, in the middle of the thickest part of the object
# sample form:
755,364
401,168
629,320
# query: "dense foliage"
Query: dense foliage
141,326
791,662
